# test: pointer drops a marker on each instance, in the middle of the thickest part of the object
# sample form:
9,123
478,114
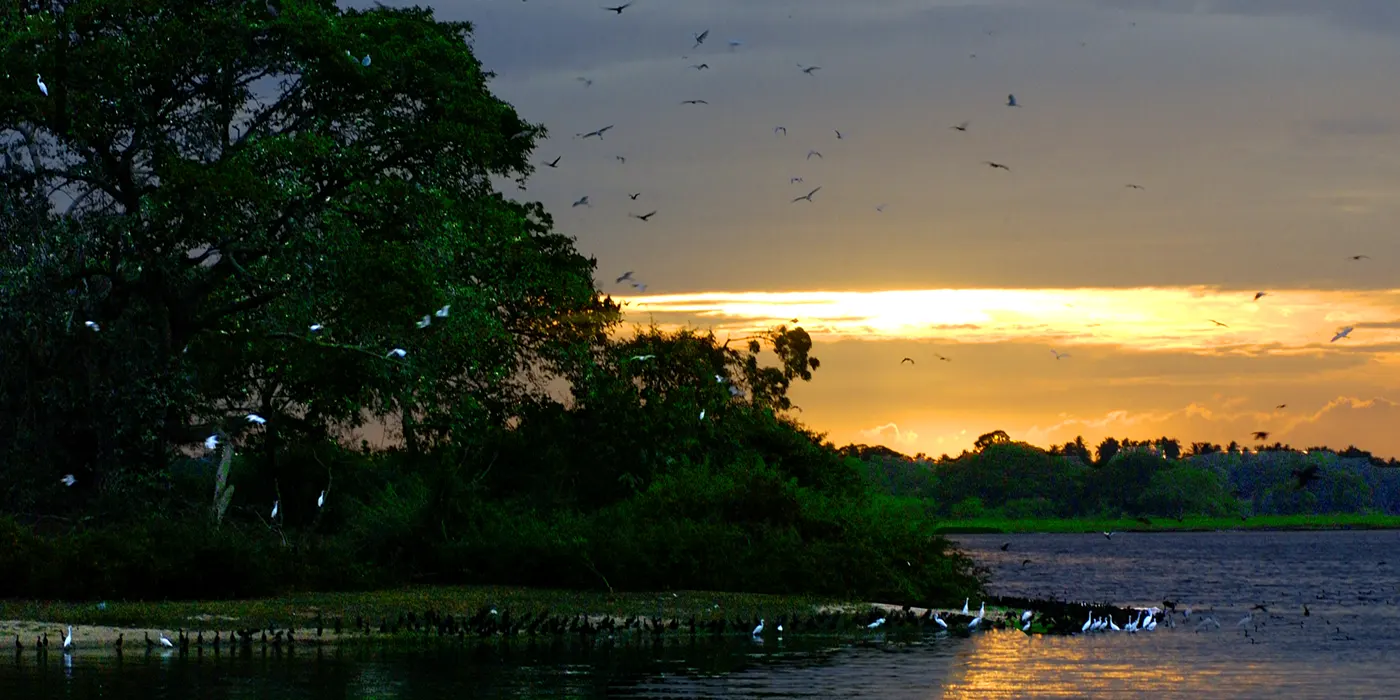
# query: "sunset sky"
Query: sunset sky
1265,135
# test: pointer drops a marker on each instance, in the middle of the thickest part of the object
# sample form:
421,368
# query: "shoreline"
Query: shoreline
1263,523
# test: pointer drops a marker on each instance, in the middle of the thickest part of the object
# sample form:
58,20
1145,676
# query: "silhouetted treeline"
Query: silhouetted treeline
1008,479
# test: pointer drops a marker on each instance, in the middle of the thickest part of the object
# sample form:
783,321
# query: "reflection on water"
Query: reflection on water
1345,647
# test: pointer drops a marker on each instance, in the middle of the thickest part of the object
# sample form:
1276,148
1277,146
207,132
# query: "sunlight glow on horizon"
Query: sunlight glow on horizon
1149,318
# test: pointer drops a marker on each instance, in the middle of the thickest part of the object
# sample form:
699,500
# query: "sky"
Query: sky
1264,136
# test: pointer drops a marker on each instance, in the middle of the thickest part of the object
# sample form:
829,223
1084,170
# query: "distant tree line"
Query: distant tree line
1002,478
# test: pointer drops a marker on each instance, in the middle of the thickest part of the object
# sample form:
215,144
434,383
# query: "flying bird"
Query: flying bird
783,129
587,82
1342,334
700,66
1306,475
700,38
1354,257
425,321
42,87
633,197
621,159
598,133
1110,534
553,163
809,69
1011,101
582,201
68,480
960,127
807,196
211,442
397,352
619,8
910,360
945,359
1131,186
1281,406
93,325
1058,355
1261,435
255,418
1217,323
644,217
442,313
315,327
626,277
880,207
996,165
1259,295
838,133
694,102
794,180
814,153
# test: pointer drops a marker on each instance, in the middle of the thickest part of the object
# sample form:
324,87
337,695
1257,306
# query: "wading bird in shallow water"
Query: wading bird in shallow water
1342,334
807,196
1261,435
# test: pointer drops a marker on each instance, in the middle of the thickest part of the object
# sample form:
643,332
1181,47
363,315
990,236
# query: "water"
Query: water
1346,647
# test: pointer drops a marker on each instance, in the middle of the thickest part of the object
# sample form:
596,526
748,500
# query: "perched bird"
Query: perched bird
807,196
42,87
68,640
1011,101
1261,435
619,8
397,352
1259,295
996,165
553,163
321,499
960,127
365,61
276,506
315,327
875,624
1342,334
255,418
644,217
759,629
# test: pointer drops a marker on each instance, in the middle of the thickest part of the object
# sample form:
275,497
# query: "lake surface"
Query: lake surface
1346,647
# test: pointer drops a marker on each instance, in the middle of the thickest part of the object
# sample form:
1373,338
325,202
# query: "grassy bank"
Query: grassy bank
1187,524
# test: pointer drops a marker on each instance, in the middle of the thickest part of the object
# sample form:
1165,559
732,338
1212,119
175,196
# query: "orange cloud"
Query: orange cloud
891,436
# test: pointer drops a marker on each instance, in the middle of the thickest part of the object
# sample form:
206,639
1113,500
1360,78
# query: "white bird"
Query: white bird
316,327
1026,616
875,624
700,38
978,620
702,414
1113,625
93,325
1342,333
255,418
940,622
1011,101
759,629
68,480
1110,534
626,277
397,352
442,313
166,642
211,442
641,357
275,507
965,602
42,87
321,499
1088,623
68,641
1058,355
425,321
365,61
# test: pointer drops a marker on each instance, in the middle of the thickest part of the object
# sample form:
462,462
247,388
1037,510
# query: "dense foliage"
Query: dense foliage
1150,478
287,210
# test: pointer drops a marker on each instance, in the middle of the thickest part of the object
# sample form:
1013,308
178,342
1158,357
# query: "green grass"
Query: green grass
300,610
1187,524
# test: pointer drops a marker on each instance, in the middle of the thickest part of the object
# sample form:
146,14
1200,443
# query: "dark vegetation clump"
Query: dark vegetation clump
219,210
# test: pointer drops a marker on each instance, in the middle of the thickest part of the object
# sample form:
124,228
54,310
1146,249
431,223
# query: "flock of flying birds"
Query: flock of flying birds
781,131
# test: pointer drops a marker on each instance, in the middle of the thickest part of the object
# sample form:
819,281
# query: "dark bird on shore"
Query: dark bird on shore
618,9
960,127
996,165
644,217
1217,323
553,163
807,196
1306,475
633,197
1005,546
910,360
1261,435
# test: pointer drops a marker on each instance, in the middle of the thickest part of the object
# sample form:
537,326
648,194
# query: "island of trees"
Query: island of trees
232,234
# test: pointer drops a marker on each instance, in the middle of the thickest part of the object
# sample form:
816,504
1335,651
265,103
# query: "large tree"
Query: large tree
234,207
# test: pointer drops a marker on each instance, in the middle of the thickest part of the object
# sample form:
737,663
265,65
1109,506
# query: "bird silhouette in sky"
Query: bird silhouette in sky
1260,295
1261,435
1343,333
694,102
945,359
599,133
807,196
777,129
1360,257
1131,186
700,38
996,165
809,70
910,360
633,196
960,127
1217,323
619,8
553,163
1281,406
644,217
1058,355
814,153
